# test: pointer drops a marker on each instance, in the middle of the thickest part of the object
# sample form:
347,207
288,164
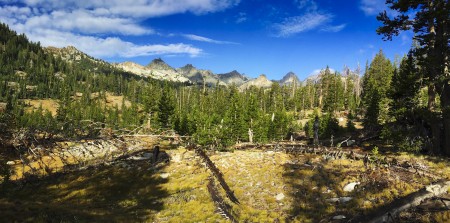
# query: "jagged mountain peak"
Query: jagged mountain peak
262,77
188,66
233,77
157,69
289,78
261,82
158,63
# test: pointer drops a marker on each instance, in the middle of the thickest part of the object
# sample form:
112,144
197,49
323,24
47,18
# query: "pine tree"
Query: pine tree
404,89
376,84
429,21
166,107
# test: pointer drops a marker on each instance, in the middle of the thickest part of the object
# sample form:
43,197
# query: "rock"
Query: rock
339,217
10,163
176,158
351,186
333,200
345,199
339,199
164,175
280,197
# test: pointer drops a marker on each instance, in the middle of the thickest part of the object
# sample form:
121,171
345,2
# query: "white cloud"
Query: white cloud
309,5
139,8
205,39
241,17
298,24
109,46
334,29
91,25
312,18
374,7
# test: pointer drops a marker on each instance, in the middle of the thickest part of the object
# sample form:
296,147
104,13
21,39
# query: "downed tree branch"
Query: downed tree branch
388,212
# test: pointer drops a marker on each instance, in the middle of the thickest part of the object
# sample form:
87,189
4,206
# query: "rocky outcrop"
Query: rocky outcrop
233,77
289,79
71,54
198,76
260,82
157,69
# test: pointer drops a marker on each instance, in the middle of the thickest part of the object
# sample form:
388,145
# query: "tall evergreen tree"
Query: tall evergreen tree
429,20
166,107
376,84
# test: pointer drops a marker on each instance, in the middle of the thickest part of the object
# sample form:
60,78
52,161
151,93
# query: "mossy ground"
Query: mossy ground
139,191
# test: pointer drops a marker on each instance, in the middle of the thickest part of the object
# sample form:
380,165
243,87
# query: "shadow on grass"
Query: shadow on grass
311,186
128,191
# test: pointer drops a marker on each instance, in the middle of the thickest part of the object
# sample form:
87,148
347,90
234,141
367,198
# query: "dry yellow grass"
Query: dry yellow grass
116,101
50,105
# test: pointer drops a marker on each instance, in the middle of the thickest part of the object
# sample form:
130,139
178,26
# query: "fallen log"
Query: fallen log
388,212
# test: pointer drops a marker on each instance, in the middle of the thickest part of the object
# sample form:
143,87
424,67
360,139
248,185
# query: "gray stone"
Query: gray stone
280,197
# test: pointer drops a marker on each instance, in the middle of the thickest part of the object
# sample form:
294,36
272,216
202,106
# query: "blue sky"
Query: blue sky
254,37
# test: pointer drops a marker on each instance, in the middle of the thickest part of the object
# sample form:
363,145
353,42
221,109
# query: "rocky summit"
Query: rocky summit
157,69
260,82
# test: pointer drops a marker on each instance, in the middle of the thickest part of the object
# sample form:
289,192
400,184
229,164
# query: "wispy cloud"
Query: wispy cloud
298,24
110,46
241,17
205,39
311,19
374,7
309,5
334,29
94,26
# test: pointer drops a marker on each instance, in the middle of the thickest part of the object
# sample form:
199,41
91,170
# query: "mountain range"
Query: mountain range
189,74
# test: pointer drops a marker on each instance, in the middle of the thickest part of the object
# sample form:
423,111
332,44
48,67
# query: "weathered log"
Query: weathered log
388,212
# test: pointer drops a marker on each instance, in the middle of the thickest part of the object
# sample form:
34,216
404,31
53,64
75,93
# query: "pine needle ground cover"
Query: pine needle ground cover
271,186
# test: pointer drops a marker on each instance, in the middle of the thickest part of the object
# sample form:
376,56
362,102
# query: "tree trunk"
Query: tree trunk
431,97
445,103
